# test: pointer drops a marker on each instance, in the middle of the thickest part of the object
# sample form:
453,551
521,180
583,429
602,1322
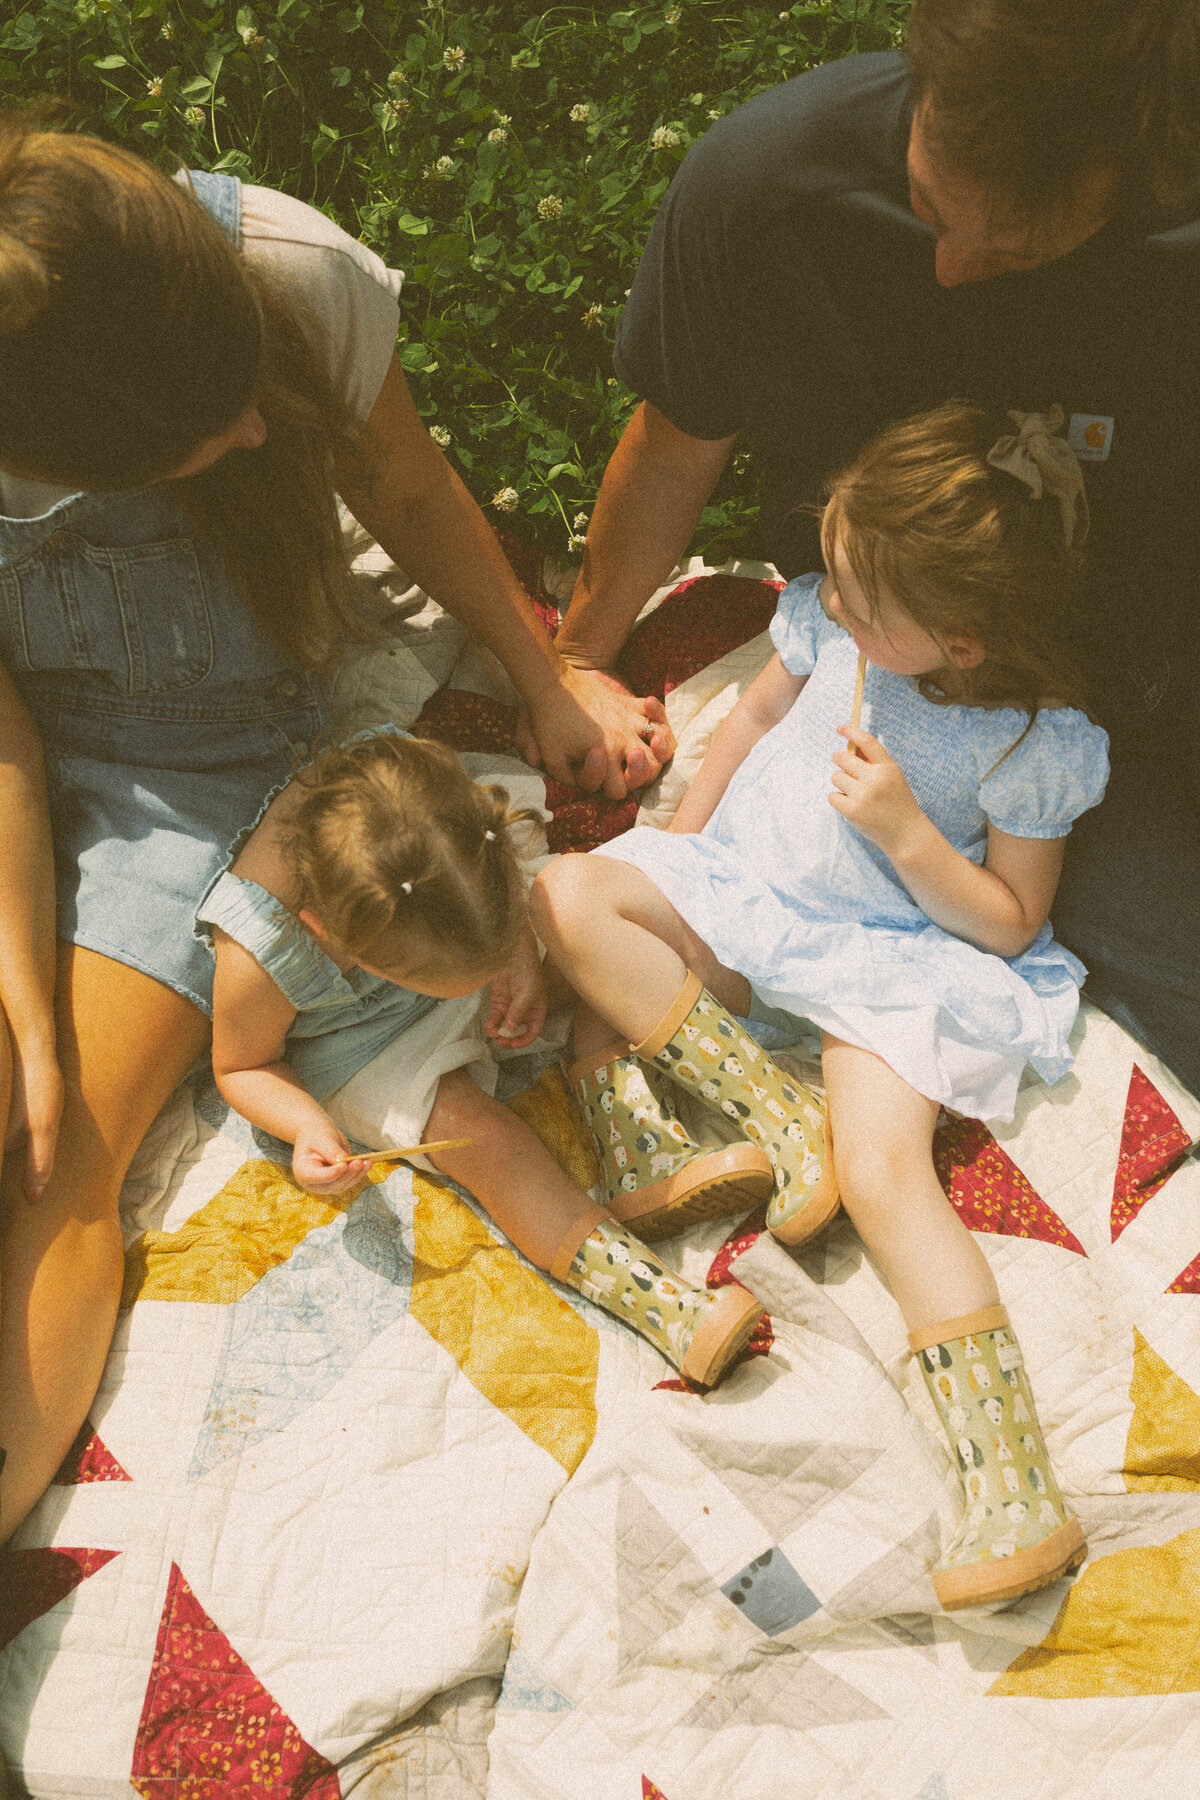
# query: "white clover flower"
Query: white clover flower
611,382
444,167
507,500
251,38
502,118
440,435
664,138
398,105
787,13
714,112
580,114
454,57
579,522
672,15
397,78
154,88
168,31
194,115
592,318
576,545
497,135
550,208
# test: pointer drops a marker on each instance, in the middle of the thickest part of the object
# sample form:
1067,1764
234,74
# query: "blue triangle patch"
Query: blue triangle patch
525,1691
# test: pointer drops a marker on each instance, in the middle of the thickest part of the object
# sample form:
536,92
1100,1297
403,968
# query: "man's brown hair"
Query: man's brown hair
1028,97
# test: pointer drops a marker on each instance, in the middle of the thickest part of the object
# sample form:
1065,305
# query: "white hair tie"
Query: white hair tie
406,887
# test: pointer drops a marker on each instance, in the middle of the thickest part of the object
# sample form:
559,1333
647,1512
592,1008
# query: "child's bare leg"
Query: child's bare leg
883,1152
507,1168
1017,1532
558,1228
622,945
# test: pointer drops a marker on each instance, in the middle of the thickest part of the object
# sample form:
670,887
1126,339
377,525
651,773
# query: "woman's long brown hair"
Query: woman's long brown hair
131,331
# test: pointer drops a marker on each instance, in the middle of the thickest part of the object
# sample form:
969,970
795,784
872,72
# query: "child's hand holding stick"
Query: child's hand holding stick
406,1150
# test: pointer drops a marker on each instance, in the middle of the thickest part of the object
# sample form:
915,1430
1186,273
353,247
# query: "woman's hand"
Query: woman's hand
34,1114
588,730
518,1009
318,1160
871,791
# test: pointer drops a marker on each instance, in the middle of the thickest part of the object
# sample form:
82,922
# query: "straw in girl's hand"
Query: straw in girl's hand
856,710
405,1150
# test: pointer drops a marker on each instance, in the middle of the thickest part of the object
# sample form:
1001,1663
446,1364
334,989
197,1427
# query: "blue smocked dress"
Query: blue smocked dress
786,890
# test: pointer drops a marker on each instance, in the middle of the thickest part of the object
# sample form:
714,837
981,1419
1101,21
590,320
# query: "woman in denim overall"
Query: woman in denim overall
139,678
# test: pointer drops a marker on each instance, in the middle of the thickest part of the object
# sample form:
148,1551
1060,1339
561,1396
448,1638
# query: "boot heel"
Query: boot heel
1008,1577
721,1336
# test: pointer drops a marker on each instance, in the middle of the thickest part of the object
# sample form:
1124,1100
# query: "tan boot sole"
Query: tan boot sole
817,1210
1008,1577
721,1336
709,1187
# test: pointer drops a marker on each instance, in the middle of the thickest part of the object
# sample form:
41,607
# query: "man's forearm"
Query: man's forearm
654,490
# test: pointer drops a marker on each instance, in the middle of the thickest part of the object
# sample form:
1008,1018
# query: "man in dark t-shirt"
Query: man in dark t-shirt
832,256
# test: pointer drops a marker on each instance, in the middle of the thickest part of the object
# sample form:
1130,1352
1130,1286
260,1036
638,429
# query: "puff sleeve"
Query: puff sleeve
1058,770
800,629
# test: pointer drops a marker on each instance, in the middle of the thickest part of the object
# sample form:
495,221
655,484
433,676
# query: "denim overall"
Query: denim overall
164,711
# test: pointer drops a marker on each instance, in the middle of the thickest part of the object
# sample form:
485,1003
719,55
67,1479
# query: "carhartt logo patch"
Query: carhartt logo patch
1090,436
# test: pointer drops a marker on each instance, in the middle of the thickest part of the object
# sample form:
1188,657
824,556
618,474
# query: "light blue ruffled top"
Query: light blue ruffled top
343,1020
787,891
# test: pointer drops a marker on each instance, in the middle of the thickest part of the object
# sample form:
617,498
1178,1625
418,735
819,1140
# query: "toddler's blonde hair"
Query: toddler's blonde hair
399,852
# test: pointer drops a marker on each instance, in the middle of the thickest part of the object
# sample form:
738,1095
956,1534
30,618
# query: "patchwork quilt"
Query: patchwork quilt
366,1505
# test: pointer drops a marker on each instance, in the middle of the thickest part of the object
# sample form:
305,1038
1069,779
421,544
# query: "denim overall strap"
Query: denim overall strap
221,195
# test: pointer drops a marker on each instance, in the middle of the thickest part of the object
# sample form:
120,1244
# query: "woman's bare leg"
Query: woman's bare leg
623,947
124,1041
883,1153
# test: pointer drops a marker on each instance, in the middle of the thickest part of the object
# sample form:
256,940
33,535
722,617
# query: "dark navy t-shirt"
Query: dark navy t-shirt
788,293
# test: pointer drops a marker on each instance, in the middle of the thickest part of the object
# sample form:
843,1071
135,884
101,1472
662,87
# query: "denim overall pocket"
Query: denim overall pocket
134,613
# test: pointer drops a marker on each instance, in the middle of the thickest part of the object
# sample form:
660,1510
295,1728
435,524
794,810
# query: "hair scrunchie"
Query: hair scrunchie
1046,464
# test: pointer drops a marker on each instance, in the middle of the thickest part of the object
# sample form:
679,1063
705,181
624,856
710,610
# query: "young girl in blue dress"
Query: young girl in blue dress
889,882
377,893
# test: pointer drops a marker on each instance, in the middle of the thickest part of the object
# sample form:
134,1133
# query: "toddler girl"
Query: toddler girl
376,895
891,889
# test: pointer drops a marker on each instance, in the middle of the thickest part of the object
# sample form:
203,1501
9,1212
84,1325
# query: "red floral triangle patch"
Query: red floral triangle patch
1151,1138
649,1791
88,1459
988,1190
209,1727
32,1581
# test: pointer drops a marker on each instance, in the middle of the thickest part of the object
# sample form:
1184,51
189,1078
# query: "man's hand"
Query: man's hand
591,732
518,1009
317,1160
871,791
34,1115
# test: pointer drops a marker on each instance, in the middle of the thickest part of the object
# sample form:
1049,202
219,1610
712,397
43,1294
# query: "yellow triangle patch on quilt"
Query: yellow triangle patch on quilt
551,1114
524,1349
1127,1626
217,1255
1163,1447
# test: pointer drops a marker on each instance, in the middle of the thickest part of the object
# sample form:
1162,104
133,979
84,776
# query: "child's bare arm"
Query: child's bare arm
1000,907
250,1024
768,699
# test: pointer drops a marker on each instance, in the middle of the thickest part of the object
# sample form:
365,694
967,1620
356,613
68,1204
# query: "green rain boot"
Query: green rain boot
1018,1533
700,1330
706,1050
655,1178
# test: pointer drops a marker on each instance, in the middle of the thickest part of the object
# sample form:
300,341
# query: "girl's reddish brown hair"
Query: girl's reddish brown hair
921,514
399,853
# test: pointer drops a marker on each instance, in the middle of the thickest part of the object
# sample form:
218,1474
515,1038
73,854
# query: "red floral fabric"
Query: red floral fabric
32,1581
988,1190
1151,1138
209,1728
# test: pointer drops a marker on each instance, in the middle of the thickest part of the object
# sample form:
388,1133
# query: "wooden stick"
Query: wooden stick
859,683
406,1150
